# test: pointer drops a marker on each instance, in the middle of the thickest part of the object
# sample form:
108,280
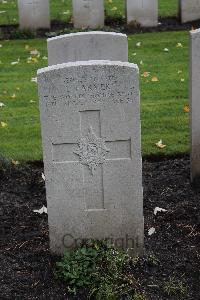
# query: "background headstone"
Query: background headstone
85,46
144,12
195,103
33,14
90,115
189,10
88,13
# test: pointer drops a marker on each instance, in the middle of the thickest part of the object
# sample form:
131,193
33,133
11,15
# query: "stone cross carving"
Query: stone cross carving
92,152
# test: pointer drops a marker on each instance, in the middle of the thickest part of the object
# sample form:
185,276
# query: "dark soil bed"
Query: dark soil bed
26,266
111,24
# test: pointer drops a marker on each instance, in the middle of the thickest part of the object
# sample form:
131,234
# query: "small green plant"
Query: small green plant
152,260
175,287
101,269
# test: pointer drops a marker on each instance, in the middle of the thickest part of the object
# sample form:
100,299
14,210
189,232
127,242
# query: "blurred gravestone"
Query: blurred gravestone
88,13
195,104
33,14
143,12
189,10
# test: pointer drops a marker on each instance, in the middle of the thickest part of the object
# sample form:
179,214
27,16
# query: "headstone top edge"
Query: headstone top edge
88,63
68,35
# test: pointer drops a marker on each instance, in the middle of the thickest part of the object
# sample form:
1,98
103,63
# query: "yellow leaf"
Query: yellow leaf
15,162
13,96
4,124
154,79
182,79
186,108
145,74
110,1
160,144
114,8
179,45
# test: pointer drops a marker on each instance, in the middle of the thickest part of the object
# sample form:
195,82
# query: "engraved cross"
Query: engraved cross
92,152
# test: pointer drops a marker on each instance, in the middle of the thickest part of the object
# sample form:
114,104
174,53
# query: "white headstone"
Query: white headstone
90,116
33,14
143,12
189,10
83,46
88,13
195,103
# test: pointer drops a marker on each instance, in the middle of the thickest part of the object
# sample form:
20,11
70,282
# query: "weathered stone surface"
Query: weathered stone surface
144,12
83,46
189,10
90,115
88,13
34,14
195,103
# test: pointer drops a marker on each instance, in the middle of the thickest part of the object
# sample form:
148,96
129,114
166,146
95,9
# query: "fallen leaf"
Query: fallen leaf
154,79
179,72
43,176
146,74
4,124
114,8
34,52
32,101
138,44
40,211
141,62
166,50
13,96
158,209
15,162
13,63
179,45
151,231
34,79
2,104
186,108
160,144
182,79
45,57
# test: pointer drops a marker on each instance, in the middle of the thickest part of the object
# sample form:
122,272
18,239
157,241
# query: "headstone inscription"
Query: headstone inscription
90,116
143,12
195,104
83,46
88,13
33,14
189,10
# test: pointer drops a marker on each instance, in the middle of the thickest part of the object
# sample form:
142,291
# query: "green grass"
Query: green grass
62,9
162,102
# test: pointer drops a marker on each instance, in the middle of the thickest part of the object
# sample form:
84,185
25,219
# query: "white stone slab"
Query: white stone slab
144,12
189,10
195,103
33,14
90,116
83,46
88,13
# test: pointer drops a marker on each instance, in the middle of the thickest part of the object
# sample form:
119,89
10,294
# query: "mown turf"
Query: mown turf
162,101
62,9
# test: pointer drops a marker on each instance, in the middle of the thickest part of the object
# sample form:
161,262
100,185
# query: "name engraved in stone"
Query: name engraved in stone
94,92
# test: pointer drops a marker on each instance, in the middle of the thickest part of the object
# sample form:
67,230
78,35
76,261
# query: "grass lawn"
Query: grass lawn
162,101
62,9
